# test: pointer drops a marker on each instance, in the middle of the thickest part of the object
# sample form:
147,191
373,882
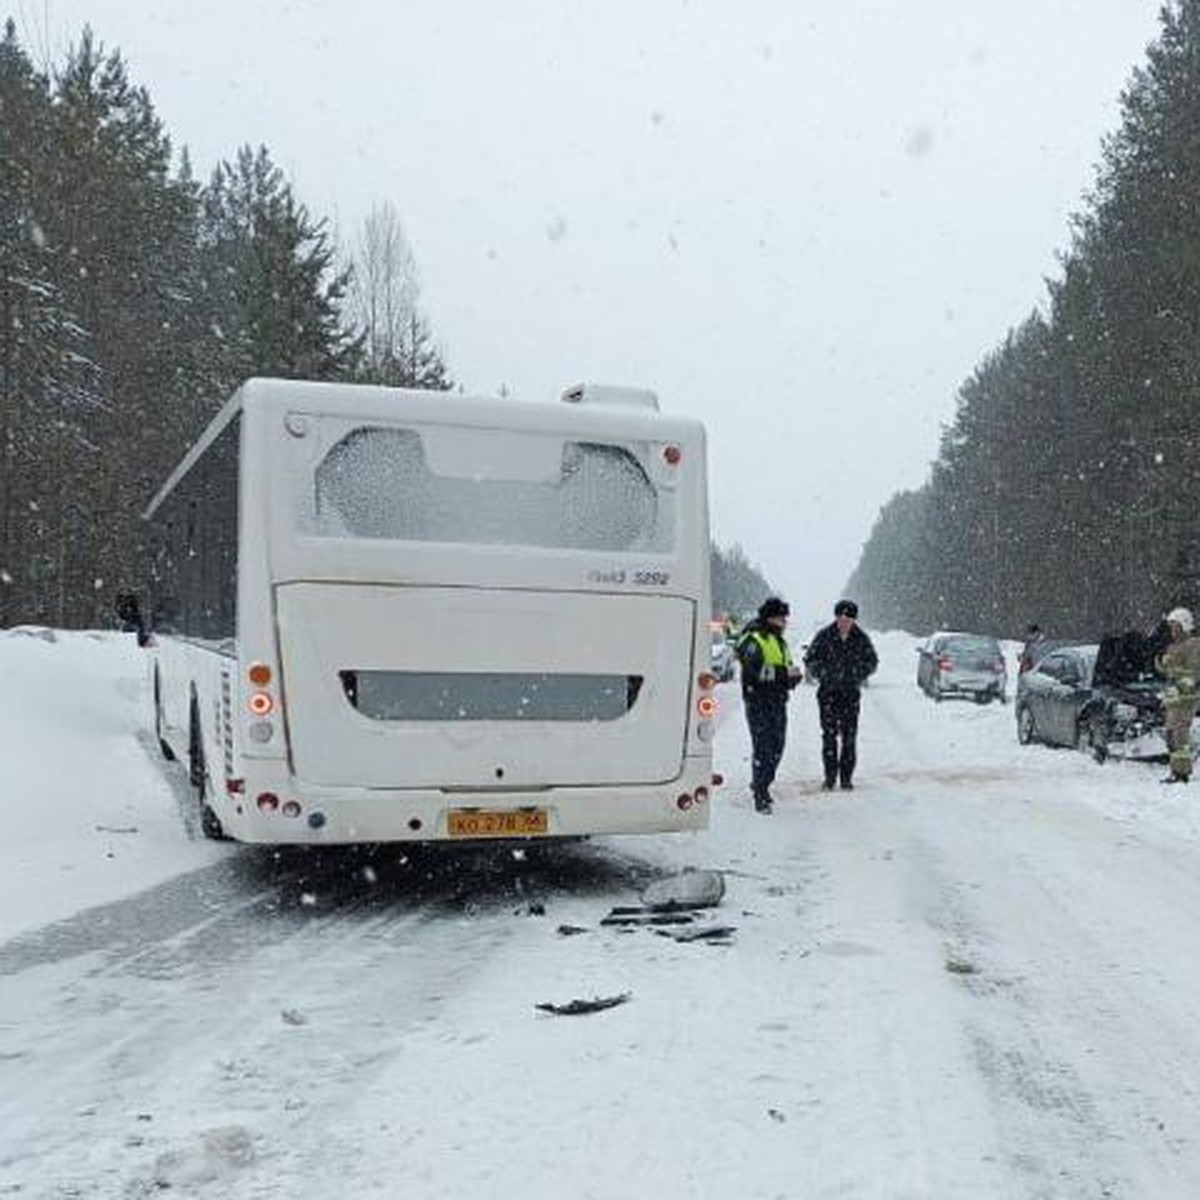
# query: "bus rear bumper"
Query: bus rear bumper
268,813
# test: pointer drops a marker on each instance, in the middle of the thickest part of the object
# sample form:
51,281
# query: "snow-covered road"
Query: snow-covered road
974,976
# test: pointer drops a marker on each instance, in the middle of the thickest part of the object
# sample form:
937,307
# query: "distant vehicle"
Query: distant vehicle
1104,699
962,664
381,614
810,674
724,658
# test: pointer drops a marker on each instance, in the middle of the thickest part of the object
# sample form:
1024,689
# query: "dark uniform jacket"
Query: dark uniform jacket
839,663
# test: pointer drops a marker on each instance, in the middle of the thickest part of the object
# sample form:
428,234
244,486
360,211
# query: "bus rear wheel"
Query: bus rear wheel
210,823
163,745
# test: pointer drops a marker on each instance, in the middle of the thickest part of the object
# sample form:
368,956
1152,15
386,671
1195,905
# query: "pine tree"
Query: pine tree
45,377
122,231
270,277
1076,447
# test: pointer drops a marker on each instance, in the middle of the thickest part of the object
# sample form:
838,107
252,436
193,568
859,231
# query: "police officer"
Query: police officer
768,676
841,656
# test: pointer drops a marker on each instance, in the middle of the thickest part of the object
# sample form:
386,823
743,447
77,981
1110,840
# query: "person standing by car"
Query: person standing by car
1180,663
1030,651
768,676
842,657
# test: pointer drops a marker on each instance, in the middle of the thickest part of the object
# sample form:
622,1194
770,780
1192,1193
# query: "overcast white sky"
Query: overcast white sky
803,222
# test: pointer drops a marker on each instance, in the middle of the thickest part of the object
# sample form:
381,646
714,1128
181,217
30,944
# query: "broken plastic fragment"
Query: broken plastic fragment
576,1007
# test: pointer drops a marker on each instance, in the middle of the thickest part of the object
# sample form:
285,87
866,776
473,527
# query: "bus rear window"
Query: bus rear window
481,487
489,696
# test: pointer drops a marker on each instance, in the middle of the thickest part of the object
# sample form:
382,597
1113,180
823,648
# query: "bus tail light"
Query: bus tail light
259,674
267,802
261,703
706,706
701,794
291,808
717,779
684,802
235,787
705,731
672,454
706,682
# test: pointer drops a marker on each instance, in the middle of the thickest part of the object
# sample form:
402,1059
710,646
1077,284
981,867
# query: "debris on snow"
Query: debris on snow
673,902
644,916
718,934
571,930
691,889
960,966
576,1007
293,1017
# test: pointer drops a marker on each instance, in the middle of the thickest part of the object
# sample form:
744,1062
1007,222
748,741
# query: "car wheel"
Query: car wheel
1024,725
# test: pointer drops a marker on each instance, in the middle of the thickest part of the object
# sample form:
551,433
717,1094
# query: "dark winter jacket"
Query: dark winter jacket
762,680
841,663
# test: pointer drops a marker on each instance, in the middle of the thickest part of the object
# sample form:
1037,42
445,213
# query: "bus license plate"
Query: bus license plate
498,823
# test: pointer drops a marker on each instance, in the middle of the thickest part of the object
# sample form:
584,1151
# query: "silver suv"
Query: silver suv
962,664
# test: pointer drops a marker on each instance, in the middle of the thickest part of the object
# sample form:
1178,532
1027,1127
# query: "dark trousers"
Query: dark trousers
839,731
767,718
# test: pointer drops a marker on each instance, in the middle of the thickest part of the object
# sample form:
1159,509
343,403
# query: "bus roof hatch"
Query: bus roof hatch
602,393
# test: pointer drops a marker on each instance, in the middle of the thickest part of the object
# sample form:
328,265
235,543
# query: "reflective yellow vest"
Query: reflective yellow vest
775,654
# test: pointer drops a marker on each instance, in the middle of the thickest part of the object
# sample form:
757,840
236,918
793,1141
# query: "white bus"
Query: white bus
379,614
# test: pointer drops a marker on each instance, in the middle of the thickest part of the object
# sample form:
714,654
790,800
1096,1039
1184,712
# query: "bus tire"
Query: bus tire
163,745
210,823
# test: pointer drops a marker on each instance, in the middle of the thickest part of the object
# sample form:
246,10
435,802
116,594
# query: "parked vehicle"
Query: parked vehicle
1105,699
1053,694
724,659
962,664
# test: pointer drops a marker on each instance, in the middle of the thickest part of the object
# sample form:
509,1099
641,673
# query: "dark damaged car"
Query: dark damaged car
1105,699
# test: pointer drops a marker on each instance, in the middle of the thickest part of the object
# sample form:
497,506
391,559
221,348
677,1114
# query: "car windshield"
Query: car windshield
1073,666
971,649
